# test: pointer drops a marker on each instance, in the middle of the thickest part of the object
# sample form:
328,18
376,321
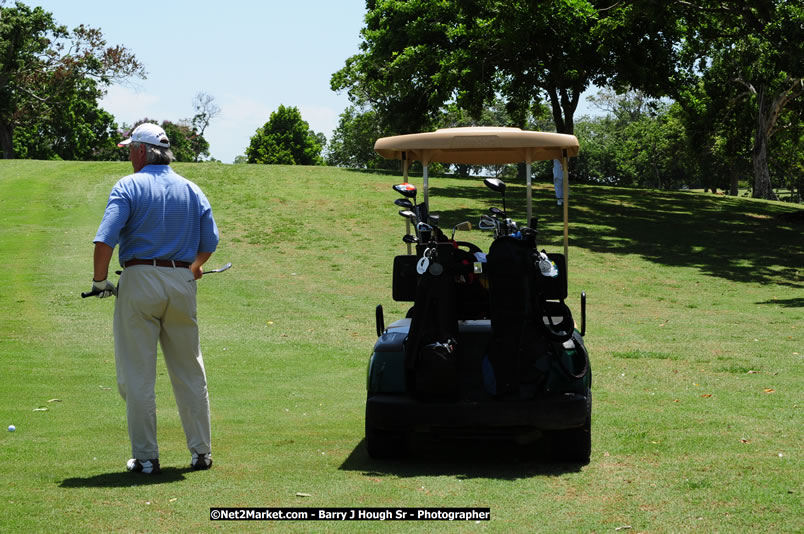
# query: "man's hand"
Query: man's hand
103,288
196,267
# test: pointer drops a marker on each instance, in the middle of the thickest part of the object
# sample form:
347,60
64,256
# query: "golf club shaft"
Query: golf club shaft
220,269
94,292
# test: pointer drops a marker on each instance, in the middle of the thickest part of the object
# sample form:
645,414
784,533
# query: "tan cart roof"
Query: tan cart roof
478,146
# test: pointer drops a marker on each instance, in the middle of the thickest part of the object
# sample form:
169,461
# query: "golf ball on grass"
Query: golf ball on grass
11,428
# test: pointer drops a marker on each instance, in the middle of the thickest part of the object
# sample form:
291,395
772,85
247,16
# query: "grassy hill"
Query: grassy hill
696,336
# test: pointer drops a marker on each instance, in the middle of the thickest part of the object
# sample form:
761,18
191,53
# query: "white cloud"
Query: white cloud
321,119
129,105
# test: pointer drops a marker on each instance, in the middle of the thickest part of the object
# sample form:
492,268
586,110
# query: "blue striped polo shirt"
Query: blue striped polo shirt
157,214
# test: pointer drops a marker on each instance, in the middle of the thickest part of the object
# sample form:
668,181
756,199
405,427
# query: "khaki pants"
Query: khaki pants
158,304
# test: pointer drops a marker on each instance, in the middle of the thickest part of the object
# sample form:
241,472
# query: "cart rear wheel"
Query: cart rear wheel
385,444
575,445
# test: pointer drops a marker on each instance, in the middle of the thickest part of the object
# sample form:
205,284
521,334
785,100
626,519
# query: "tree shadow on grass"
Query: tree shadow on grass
724,237
785,303
126,479
463,459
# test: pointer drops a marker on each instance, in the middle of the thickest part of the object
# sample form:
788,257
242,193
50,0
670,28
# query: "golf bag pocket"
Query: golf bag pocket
437,370
570,366
405,278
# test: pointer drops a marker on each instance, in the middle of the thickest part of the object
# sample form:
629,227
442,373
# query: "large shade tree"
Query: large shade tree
752,54
50,82
416,56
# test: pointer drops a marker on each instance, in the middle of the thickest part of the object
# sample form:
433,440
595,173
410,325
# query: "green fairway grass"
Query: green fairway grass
695,333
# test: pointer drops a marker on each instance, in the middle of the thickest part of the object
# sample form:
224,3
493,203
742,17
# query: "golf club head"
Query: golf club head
407,214
404,203
495,184
220,269
486,223
406,190
497,212
435,218
410,239
464,226
425,231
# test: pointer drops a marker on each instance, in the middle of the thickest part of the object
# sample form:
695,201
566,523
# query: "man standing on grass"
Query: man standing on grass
164,225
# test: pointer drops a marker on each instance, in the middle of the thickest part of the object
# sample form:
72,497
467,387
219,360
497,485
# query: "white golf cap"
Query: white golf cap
150,133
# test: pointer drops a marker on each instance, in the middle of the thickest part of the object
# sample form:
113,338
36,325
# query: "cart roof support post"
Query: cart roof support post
405,179
529,182
426,186
565,191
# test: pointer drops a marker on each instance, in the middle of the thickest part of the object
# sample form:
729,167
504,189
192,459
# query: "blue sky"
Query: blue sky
252,56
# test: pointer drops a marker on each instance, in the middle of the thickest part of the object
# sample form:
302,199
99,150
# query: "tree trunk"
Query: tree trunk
762,183
6,145
735,183
759,154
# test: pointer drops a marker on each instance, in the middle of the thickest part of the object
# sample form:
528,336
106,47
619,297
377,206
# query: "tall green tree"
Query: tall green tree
352,143
756,50
286,139
46,69
417,55
77,129
399,72
641,141
184,141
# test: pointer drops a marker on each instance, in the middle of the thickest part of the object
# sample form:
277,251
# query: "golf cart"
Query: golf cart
489,347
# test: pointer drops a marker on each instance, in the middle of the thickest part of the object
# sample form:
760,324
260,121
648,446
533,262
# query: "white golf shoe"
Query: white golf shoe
148,467
201,461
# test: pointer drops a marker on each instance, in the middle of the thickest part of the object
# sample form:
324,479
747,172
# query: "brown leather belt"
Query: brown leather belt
158,263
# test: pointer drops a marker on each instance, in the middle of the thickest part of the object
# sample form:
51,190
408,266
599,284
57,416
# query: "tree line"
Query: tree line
722,81
695,92
51,80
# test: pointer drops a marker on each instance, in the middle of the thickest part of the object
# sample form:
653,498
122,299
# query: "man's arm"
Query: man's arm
103,255
200,259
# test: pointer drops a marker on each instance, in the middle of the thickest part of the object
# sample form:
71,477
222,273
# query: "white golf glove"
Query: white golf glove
104,288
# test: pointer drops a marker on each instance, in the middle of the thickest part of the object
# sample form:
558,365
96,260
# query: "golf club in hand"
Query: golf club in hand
94,292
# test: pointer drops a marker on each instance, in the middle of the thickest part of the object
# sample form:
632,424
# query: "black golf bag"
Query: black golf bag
431,350
530,322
